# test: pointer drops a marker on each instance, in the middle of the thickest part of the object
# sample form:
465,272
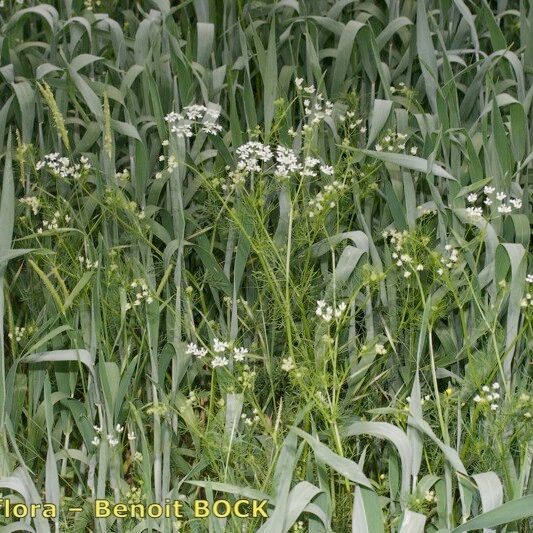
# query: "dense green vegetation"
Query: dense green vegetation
272,250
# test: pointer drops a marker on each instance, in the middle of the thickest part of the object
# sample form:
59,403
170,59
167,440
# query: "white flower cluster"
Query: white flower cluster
317,111
172,163
327,198
450,260
19,333
251,158
111,439
192,399
527,301
194,349
219,347
54,223
61,166
352,124
32,202
298,526
504,207
251,154
287,364
316,108
401,88
327,312
87,263
123,176
239,354
141,293
489,395
219,360
525,403
380,349
299,83
394,142
401,259
286,162
255,157
250,420
183,124
430,497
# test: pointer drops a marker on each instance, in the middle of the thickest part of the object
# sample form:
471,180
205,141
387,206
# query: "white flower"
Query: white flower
472,197
112,441
501,196
380,349
327,170
131,435
95,441
488,190
504,209
299,83
420,267
250,154
494,407
477,398
219,346
496,385
378,148
413,150
474,212
517,203
340,309
191,348
406,274
211,128
287,162
219,361
239,354
323,311
485,388
119,428
487,201
529,278
287,364
201,352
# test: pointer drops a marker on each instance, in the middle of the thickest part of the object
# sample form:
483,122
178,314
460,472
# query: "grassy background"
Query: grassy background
419,236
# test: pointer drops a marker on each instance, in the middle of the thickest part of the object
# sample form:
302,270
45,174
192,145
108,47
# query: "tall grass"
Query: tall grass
271,250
